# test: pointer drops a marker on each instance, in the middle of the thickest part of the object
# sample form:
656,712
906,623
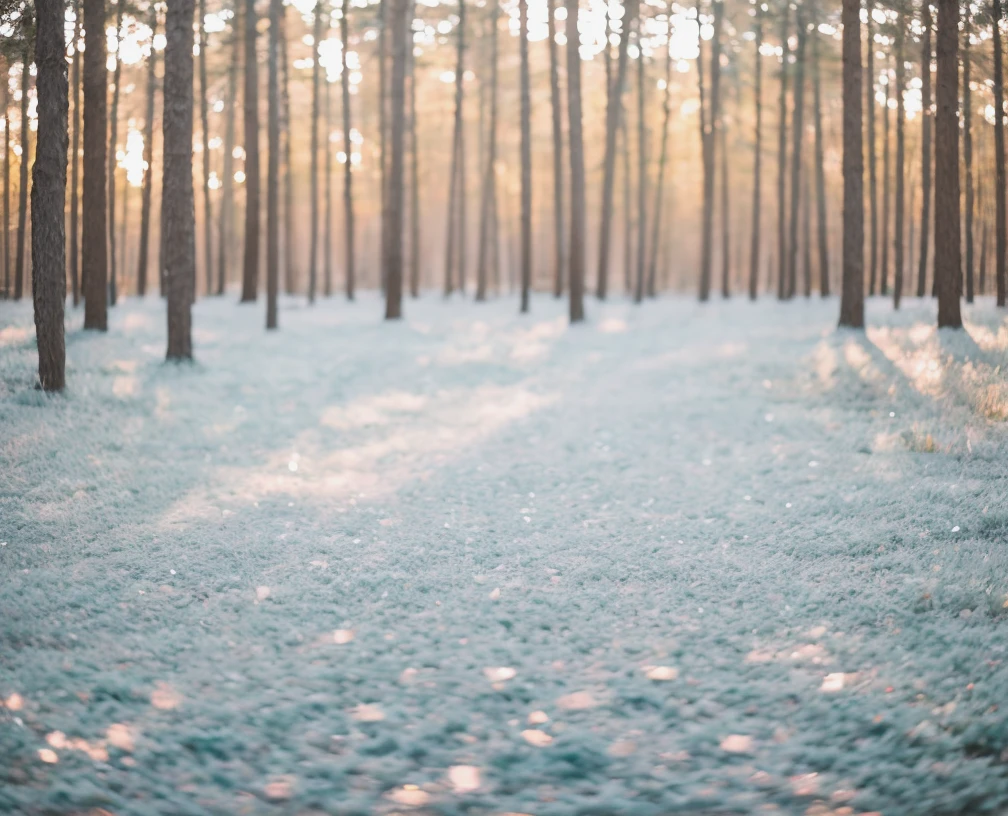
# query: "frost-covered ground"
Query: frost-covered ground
677,560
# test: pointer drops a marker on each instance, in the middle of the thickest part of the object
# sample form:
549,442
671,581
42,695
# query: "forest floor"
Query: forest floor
680,559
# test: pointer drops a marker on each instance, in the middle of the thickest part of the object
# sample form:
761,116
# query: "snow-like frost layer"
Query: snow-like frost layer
681,559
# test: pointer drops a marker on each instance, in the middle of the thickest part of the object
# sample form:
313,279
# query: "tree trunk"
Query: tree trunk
709,125
884,269
948,269
383,16
575,275
6,186
177,182
852,289
289,267
487,240
796,152
926,23
757,205
224,243
1000,280
414,182
526,158
967,117
456,216
556,108
641,168
48,194
396,188
19,262
148,155
205,130
327,192
806,234
613,111
94,232
113,137
872,183
74,159
348,209
315,111
820,170
273,164
900,160
782,160
662,159
250,271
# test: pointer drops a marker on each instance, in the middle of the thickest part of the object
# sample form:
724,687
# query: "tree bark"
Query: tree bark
487,240
709,124
725,216
757,205
396,196
316,108
796,152
148,155
900,160
662,159
348,208
556,108
383,16
224,236
782,161
820,170
948,267
205,131
19,262
884,269
94,256
967,117
456,214
177,182
414,181
327,190
48,194
926,23
1000,280
273,165
852,289
250,271
641,168
74,159
806,210
113,142
526,158
6,186
872,182
575,275
287,256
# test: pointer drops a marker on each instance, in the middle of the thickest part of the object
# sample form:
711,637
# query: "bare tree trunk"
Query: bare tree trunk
884,270
327,194
289,267
414,181
227,195
19,262
852,289
113,292
725,219
641,167
487,240
148,154
757,205
456,215
614,105
948,268
205,131
709,130
820,170
926,23
250,272
556,105
526,158
782,160
94,231
315,111
806,234
1000,280
662,159
900,159
74,159
576,147
872,185
967,117
6,184
983,257
397,94
178,202
796,152
628,207
48,193
273,163
348,209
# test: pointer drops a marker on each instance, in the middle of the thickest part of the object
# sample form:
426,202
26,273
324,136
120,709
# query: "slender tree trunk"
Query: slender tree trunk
1000,279
526,159
486,237
396,189
250,271
820,170
900,160
757,205
984,235
641,168
884,269
556,108
383,16
708,149
628,206
205,131
224,236
48,194
124,224
725,218
327,194
315,111
74,159
273,163
348,209
782,161
926,23
289,266
148,155
414,181
94,231
852,289
614,106
178,201
967,117
113,293
6,185
806,234
575,276
948,268
872,183
662,159
796,152
456,216
19,262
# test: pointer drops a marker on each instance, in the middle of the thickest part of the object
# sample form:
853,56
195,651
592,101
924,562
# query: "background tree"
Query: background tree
348,208
575,275
148,154
74,260
999,157
94,257
967,120
556,109
757,205
852,290
397,98
456,184
273,169
948,269
113,137
205,133
487,241
526,157
316,107
926,148
250,271
19,257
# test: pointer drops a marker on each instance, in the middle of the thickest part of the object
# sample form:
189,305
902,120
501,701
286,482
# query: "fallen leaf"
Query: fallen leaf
15,702
262,593
538,718
368,712
661,673
833,682
48,755
498,674
120,736
540,739
343,636
165,697
464,778
578,701
278,790
737,744
409,795
495,595
622,748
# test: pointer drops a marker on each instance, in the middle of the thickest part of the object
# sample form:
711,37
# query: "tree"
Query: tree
575,275
148,154
796,151
348,208
177,181
94,257
205,133
926,24
327,194
273,168
757,205
948,269
662,159
414,181
19,258
526,158
250,272
224,244
486,248
48,194
852,289
456,208
708,131
397,99
315,111
289,271
74,159
967,116
641,166
999,159
5,91
556,109
782,158
820,170
113,138
900,158
884,270
870,110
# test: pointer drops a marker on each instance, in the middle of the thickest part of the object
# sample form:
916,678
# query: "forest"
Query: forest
503,407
